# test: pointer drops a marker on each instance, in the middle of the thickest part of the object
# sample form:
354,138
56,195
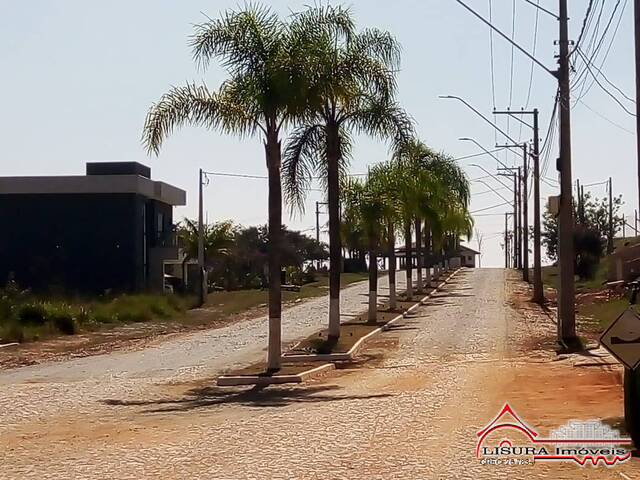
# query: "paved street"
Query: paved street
410,412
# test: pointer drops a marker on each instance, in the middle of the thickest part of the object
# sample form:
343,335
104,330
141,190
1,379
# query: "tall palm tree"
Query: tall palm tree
351,87
262,95
388,181
364,203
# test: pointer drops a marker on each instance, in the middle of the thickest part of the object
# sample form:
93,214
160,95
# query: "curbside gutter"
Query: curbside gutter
263,381
341,357
238,380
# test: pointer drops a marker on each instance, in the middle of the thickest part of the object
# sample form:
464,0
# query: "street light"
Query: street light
470,107
467,139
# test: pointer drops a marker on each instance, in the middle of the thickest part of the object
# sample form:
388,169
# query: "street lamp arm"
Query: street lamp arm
495,177
483,149
494,191
470,107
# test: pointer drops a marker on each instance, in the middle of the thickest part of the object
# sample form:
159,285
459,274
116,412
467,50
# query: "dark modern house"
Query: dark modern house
111,229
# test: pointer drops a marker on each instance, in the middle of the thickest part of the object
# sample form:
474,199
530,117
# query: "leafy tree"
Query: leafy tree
591,233
352,84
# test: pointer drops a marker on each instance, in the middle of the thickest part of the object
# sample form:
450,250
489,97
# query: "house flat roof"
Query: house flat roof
87,184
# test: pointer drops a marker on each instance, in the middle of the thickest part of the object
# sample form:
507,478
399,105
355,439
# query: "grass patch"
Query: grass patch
551,278
234,302
25,318
600,314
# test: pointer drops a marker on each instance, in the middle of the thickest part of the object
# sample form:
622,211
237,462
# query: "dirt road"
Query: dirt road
410,412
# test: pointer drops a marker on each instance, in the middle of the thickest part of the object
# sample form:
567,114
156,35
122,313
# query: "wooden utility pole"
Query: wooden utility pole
566,295
637,42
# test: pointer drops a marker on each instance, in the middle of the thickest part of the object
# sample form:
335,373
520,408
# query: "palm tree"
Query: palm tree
218,240
262,95
364,204
351,87
388,181
450,216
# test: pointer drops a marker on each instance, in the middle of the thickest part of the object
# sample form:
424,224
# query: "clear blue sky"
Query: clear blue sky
78,77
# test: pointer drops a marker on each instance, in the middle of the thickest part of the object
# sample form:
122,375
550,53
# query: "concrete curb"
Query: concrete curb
236,380
341,357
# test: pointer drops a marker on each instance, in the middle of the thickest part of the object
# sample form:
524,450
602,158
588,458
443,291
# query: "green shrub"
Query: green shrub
64,323
12,332
5,309
32,314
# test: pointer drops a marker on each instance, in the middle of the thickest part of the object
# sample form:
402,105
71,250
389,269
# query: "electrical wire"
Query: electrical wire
606,118
595,77
581,78
611,42
491,207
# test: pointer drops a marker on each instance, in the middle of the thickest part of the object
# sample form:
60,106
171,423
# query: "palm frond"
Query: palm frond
303,153
190,104
244,40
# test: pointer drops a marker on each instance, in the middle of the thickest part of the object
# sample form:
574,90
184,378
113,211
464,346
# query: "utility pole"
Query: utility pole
538,291
636,10
525,215
611,230
318,231
506,240
520,202
566,295
515,220
523,209
201,275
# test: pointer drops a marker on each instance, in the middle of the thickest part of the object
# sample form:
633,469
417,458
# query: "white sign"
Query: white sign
622,339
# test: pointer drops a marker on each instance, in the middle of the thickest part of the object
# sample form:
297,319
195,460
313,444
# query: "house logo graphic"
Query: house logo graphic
507,439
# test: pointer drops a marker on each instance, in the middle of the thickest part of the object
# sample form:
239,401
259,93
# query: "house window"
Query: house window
469,258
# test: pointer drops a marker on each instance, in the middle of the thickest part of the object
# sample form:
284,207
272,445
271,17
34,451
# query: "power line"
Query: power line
603,87
581,78
533,52
493,78
607,80
491,207
613,37
606,119
513,33
584,25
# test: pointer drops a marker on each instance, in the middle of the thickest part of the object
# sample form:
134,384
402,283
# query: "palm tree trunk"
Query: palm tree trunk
393,304
335,250
373,282
418,225
407,258
273,153
427,253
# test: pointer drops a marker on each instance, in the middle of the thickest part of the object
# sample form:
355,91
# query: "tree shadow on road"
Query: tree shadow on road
254,397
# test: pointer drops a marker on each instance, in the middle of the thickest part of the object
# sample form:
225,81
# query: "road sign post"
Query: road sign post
622,340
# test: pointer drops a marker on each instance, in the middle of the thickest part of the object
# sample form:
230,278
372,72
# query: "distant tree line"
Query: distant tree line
236,257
